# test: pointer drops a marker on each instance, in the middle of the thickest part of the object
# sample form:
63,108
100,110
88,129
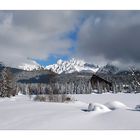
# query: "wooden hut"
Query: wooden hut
100,85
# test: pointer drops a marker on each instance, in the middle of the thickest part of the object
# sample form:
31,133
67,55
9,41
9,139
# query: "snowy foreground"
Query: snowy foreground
111,111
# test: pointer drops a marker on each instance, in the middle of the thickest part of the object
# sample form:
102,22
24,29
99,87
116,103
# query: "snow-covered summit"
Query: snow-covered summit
73,65
70,66
108,69
29,67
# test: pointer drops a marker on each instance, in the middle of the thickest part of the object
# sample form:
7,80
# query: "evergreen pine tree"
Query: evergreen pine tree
7,83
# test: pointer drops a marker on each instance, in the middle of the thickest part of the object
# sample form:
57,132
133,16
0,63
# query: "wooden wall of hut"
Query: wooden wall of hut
100,84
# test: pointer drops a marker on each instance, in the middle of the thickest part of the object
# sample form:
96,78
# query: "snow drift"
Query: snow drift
116,105
20,112
98,107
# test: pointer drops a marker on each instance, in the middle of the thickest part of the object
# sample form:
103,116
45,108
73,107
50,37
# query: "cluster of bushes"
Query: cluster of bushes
41,98
53,98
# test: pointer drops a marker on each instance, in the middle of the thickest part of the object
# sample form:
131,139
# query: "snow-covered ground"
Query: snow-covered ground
110,111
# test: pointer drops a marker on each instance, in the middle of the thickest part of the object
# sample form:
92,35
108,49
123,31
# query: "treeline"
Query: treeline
124,81
44,82
77,86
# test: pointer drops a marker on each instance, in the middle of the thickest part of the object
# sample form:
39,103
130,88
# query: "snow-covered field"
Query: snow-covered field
110,111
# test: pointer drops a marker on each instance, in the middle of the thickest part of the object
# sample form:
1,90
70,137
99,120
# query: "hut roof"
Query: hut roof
100,78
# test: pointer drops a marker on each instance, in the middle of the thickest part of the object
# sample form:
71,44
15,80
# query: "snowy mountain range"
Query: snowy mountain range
72,65
108,69
29,67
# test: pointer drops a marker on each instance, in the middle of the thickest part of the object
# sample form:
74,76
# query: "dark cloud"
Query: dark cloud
114,36
102,36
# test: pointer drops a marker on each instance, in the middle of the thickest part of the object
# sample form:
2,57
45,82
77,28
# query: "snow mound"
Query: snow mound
116,105
97,107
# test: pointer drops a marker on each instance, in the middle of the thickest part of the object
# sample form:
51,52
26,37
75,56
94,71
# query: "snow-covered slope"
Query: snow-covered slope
29,67
72,65
108,69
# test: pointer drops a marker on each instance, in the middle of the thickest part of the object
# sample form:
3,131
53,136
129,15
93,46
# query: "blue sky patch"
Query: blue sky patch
52,60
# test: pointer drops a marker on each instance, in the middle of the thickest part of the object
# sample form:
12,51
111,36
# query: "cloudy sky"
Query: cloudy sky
98,37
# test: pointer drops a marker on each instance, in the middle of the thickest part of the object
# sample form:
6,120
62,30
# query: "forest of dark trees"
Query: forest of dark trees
75,83
46,82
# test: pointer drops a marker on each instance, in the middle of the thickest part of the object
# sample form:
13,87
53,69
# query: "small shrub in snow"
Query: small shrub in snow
41,98
137,107
60,98
90,107
30,96
68,99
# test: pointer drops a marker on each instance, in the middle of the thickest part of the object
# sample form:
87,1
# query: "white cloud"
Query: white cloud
34,34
